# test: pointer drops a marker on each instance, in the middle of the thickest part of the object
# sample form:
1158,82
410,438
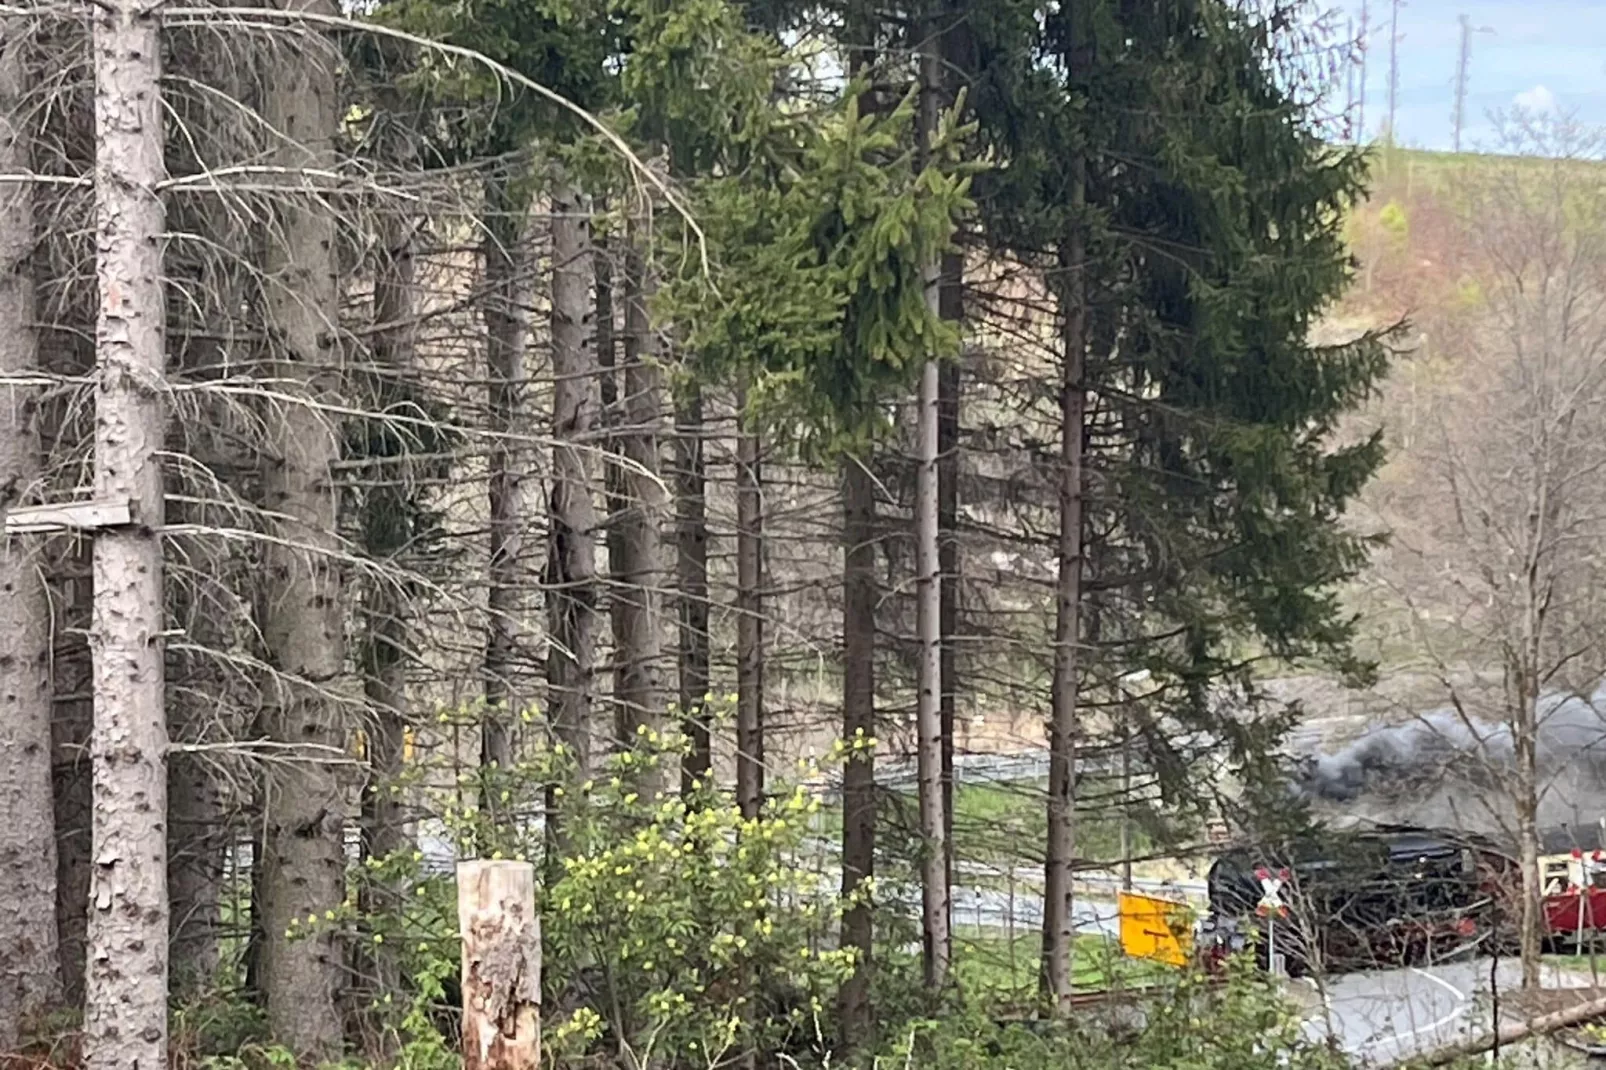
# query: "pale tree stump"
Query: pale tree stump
501,965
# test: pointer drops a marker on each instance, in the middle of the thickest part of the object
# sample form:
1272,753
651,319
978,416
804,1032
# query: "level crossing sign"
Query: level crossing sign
1271,893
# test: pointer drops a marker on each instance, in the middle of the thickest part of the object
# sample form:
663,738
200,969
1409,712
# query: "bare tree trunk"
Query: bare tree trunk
638,573
571,553
71,679
934,823
1530,941
1059,924
125,1008
957,44
507,283
389,529
28,979
749,617
303,857
610,297
1525,747
691,532
858,727
948,560
196,833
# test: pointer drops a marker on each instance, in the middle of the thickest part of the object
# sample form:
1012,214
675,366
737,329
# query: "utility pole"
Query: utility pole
1458,118
1394,65
1349,85
1360,112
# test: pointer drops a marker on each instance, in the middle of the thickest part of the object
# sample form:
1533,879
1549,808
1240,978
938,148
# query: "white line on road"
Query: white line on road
1463,1001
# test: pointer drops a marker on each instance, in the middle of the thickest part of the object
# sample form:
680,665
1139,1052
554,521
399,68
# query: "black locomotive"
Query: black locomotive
1360,898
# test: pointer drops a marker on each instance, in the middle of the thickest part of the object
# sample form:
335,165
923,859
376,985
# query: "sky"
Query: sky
1542,54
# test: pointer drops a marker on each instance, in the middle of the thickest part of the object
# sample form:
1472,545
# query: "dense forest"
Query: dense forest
625,435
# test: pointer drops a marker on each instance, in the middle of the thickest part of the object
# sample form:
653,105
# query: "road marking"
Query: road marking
1463,1002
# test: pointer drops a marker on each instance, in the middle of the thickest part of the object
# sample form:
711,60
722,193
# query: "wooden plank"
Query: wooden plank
501,965
68,516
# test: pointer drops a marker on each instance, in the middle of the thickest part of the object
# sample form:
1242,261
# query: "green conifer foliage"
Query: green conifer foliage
1217,485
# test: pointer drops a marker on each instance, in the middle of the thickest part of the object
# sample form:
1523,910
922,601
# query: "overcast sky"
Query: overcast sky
1542,53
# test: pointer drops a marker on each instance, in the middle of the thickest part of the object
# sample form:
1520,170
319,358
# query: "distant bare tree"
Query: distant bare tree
1497,547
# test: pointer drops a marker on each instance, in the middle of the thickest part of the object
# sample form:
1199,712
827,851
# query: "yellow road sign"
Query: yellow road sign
1155,928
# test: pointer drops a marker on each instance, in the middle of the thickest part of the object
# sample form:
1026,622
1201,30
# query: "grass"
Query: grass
986,961
1578,963
999,822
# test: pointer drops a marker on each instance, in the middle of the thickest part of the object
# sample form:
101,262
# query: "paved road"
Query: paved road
1384,1016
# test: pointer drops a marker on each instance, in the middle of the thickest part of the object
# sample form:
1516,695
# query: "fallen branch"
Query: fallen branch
1509,1034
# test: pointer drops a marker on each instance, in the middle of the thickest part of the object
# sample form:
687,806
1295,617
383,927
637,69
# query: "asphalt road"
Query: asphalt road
1384,1016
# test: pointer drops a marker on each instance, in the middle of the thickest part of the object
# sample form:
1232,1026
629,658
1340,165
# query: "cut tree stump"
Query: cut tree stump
501,965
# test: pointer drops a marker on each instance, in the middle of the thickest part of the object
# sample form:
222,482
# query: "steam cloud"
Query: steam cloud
1438,770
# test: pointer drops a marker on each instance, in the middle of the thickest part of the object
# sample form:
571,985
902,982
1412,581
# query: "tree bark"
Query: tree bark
571,553
749,616
391,505
501,939
691,531
1525,746
197,833
125,1011
1059,925
303,857
72,675
935,944
948,558
28,979
858,726
959,60
507,282
638,574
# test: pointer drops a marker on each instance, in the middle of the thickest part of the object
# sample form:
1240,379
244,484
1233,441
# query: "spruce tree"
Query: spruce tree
1201,211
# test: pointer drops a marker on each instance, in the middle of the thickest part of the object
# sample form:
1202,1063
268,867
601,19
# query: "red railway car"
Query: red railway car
1574,887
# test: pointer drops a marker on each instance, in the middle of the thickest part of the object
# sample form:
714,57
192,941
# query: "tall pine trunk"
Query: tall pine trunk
507,284
303,857
388,529
957,44
691,533
859,595
28,978
72,675
125,1010
572,525
749,616
1059,924
948,560
935,943
197,832
858,727
638,574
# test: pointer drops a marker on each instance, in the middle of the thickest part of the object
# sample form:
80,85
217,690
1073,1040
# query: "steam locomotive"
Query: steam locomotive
1355,899
1395,895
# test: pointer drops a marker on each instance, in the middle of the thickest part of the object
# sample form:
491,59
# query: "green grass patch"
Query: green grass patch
1578,963
999,822
987,962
